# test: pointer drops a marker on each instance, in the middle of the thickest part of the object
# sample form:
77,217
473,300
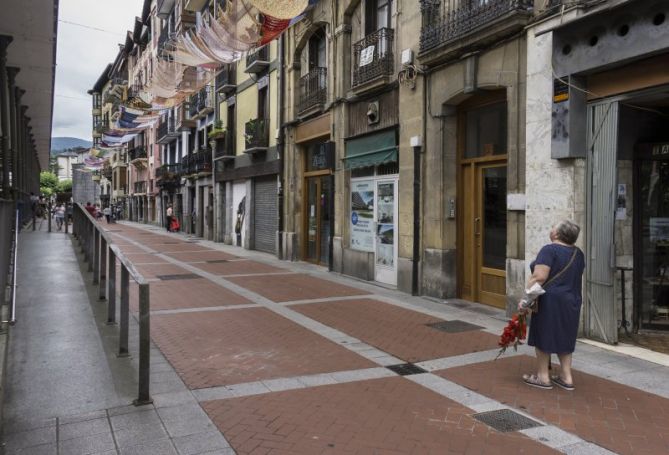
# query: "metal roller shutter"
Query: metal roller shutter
265,214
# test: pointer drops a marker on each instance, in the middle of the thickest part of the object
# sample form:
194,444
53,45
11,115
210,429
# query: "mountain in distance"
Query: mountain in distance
59,144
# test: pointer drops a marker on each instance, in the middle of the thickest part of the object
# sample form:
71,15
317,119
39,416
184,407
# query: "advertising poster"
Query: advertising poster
385,246
362,215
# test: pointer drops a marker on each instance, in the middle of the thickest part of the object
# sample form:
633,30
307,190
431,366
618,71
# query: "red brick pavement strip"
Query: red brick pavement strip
400,332
231,347
143,258
239,267
187,294
297,286
202,256
620,418
153,270
381,416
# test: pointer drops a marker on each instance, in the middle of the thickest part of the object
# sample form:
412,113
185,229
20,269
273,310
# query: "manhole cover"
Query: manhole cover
455,326
406,369
506,420
183,276
217,261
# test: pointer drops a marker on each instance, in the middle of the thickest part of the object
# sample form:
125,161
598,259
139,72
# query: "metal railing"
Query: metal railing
447,20
225,146
313,88
226,78
202,160
137,153
102,254
205,99
373,56
140,187
9,242
256,133
260,55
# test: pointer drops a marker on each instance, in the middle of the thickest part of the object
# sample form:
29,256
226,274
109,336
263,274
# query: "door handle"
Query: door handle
477,225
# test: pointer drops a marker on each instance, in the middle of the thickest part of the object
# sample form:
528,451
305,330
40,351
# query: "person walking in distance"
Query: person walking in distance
107,213
59,215
168,217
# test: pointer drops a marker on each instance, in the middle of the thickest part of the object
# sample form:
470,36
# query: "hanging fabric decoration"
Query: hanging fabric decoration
281,9
272,27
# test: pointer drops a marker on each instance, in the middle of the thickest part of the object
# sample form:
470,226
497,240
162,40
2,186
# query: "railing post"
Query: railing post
125,310
102,268
96,255
49,214
111,281
144,346
65,221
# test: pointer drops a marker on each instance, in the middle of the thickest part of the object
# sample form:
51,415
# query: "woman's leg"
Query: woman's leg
565,364
542,365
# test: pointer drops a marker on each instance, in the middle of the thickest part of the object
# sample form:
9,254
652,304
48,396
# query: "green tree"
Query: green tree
48,183
65,186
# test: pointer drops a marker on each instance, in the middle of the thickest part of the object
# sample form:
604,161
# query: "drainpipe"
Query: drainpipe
417,148
281,145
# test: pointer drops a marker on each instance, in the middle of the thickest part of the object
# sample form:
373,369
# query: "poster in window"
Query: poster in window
385,229
362,215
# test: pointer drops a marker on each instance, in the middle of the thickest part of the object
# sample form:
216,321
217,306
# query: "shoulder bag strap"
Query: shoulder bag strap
561,272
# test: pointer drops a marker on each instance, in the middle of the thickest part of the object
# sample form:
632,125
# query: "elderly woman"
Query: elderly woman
558,268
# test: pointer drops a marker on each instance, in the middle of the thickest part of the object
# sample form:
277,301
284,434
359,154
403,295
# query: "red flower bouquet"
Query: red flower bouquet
514,332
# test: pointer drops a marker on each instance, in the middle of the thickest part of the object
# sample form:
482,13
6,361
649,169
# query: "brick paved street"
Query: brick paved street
288,359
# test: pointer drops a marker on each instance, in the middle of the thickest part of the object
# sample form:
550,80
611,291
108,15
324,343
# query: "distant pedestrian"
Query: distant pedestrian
558,268
107,213
90,209
59,215
168,217
98,212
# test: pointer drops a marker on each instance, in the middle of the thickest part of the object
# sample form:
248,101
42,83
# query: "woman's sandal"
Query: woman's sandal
558,381
533,380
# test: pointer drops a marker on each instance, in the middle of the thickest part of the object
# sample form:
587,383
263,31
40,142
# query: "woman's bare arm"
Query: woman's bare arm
540,275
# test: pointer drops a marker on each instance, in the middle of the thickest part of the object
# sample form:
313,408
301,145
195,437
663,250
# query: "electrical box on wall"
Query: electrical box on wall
568,118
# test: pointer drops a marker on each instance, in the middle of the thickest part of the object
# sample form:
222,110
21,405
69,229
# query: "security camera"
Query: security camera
373,113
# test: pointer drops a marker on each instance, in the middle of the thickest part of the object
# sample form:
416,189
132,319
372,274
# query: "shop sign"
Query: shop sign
362,215
366,56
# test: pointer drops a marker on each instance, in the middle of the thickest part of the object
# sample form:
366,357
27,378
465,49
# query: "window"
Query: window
317,56
486,131
262,103
377,15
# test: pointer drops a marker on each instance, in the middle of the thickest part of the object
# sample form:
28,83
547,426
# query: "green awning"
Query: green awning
371,150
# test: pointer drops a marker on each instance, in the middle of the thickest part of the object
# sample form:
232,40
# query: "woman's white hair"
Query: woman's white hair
567,231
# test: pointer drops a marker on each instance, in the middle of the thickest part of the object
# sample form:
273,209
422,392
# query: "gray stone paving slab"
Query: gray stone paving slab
248,388
201,442
585,448
23,424
213,393
317,380
87,445
29,438
89,427
219,452
44,449
133,419
164,400
277,385
82,417
140,434
163,447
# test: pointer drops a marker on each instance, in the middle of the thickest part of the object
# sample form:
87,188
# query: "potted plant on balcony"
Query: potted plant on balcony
218,132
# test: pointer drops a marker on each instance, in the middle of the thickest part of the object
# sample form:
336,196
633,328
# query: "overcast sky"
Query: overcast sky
83,54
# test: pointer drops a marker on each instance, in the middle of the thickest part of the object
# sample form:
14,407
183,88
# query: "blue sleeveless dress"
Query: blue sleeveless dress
553,329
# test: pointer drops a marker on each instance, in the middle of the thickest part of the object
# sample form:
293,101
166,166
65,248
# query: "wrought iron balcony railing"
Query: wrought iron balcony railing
448,20
137,153
256,135
226,79
257,61
140,187
165,128
168,173
225,145
202,160
373,56
205,101
313,89
107,172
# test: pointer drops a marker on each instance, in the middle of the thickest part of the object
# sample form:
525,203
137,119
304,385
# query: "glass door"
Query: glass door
318,216
652,246
386,235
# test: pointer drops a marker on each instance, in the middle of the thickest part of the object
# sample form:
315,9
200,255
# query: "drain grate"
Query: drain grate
182,276
506,420
217,261
454,326
406,369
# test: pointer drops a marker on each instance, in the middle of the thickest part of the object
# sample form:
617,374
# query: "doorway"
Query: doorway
482,139
385,218
317,218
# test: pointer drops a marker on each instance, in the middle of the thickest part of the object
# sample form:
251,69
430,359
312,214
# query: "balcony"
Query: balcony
184,121
107,172
313,90
140,187
225,80
166,131
134,91
98,129
373,63
163,40
168,174
202,161
164,8
256,135
204,102
95,176
185,21
138,156
225,147
258,61
453,27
